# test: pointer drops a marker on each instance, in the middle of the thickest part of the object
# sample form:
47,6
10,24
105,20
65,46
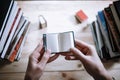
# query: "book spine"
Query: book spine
12,31
15,36
116,18
102,47
7,28
18,56
95,38
106,38
113,27
17,39
12,57
20,25
6,18
117,7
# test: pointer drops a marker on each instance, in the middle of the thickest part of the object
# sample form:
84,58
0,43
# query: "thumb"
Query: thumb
45,57
78,54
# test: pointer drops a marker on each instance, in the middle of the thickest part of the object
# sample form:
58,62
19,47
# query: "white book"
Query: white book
58,42
8,26
17,19
100,39
14,38
17,39
6,18
20,25
25,33
95,37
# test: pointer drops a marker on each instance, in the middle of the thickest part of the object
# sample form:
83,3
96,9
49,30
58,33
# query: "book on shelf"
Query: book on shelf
19,27
25,33
113,28
116,17
5,9
61,41
8,26
13,31
117,7
15,51
16,36
106,32
102,51
16,40
94,33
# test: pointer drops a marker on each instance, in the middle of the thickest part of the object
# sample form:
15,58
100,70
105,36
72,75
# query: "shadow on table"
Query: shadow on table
4,63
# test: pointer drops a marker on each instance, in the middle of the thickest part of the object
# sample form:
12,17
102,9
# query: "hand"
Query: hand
37,62
88,56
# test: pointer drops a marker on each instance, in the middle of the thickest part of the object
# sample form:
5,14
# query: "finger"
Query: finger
39,47
81,44
83,47
78,53
53,58
45,57
41,54
36,53
67,54
71,58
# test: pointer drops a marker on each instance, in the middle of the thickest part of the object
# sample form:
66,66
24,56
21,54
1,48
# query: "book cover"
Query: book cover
116,17
105,34
117,7
101,45
20,25
13,55
81,16
12,48
5,9
42,22
94,33
19,45
16,35
12,31
113,27
58,42
8,26
25,33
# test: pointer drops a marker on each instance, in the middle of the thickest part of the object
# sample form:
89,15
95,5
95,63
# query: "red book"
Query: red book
14,53
81,16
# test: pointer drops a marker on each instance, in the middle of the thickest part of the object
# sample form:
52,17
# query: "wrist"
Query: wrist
103,76
28,77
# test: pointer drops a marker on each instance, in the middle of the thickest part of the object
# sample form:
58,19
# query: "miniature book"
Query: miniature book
81,16
58,42
42,22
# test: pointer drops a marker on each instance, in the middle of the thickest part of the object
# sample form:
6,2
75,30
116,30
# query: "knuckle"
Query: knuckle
45,57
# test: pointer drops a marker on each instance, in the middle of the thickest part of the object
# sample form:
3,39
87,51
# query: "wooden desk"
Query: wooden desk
60,17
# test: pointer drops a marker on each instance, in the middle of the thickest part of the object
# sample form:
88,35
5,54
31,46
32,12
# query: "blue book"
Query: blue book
103,22
104,30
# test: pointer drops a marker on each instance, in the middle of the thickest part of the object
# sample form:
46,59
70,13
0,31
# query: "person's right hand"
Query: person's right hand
89,58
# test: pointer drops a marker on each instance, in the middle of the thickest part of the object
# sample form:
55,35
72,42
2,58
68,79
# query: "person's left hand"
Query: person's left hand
37,62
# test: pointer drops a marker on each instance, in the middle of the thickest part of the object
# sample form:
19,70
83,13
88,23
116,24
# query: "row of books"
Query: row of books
106,31
13,30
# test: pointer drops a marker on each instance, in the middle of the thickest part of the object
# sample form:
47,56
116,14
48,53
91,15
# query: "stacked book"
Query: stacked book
13,30
106,31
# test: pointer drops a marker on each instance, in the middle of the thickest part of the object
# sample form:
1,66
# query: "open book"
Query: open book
58,42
